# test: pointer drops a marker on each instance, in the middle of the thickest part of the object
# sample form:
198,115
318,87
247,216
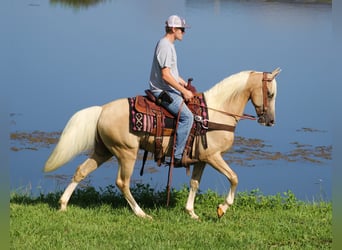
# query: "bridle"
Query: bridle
261,116
265,80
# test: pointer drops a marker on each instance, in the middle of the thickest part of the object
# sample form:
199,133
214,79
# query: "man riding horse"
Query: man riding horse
167,86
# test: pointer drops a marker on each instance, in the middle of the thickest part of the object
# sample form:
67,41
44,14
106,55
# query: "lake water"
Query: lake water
59,58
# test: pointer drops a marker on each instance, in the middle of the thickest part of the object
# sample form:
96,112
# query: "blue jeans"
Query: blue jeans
186,120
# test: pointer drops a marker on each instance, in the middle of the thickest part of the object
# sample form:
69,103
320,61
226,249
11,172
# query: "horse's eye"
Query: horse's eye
270,95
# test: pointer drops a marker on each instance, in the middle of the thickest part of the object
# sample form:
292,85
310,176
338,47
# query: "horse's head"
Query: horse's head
263,97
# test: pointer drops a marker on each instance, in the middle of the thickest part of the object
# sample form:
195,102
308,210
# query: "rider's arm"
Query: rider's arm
167,77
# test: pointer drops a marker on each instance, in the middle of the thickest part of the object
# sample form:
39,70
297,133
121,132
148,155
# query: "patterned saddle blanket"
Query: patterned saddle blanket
145,115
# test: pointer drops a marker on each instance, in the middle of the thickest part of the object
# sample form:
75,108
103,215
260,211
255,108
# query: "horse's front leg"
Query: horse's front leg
194,185
220,165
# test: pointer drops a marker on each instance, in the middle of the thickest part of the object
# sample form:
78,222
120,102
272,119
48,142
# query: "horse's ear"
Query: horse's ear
275,72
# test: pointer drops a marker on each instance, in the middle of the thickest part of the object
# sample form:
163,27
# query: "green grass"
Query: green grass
103,220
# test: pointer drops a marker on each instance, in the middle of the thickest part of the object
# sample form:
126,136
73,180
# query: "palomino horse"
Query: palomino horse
105,131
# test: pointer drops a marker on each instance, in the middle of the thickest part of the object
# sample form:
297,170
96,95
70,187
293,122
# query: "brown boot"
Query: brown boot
177,163
184,162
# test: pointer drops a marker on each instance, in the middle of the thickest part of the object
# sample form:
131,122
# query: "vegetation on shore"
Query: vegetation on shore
103,220
88,3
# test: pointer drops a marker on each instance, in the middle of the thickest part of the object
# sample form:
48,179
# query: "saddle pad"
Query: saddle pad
142,122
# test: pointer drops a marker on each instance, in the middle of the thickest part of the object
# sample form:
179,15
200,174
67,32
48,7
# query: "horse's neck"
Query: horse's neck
229,95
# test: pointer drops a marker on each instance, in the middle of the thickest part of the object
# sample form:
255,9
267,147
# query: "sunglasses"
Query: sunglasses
182,29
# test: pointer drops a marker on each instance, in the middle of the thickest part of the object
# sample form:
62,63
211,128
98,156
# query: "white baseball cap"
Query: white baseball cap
176,22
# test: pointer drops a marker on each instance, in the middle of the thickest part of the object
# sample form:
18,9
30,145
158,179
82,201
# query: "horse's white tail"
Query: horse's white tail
78,136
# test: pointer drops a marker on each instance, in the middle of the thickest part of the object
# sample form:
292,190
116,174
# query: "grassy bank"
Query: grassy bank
103,220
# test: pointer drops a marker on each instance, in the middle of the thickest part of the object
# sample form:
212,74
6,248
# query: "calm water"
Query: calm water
60,58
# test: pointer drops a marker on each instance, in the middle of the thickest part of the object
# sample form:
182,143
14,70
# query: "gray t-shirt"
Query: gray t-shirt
164,56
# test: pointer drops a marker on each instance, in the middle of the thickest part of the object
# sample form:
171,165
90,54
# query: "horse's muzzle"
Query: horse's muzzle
264,120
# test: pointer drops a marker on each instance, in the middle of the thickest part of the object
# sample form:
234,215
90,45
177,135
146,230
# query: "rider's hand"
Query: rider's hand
187,95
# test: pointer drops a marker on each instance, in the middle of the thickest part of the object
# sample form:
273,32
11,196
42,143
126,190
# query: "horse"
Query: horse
104,131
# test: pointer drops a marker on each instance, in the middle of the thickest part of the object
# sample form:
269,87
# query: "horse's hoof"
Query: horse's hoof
220,212
148,217
193,215
145,216
63,207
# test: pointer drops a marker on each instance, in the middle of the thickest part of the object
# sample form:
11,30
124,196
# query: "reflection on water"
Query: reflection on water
84,4
244,153
77,4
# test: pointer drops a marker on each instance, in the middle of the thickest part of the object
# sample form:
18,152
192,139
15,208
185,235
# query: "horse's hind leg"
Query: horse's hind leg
126,166
82,172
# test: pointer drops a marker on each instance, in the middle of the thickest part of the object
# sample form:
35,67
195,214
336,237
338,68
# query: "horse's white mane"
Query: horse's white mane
230,86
